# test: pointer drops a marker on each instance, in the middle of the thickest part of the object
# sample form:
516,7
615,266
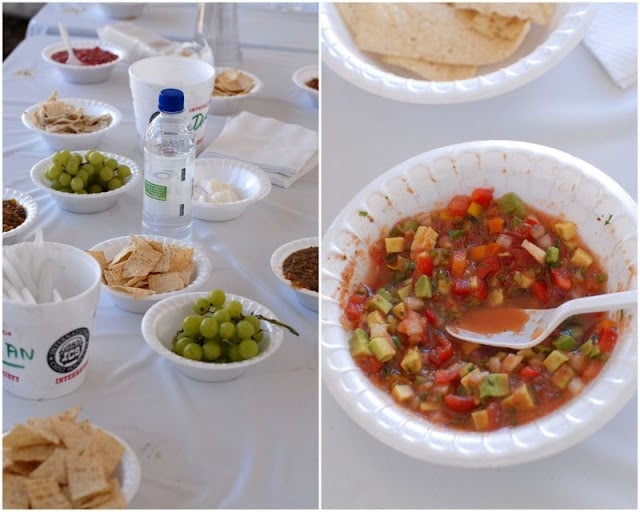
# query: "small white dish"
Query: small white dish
308,298
18,234
225,105
73,141
543,48
201,273
250,183
163,320
302,76
85,203
84,74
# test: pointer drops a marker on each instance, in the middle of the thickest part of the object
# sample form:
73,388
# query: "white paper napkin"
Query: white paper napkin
284,151
613,40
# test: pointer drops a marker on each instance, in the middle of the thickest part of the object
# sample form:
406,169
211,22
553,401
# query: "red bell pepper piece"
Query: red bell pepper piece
459,403
540,291
482,196
561,277
607,339
369,364
459,205
424,265
528,372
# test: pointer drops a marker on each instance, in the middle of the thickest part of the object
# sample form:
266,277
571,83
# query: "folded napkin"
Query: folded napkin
613,40
284,151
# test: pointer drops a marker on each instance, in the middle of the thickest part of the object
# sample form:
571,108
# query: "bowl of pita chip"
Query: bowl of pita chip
435,53
71,123
60,462
231,88
140,270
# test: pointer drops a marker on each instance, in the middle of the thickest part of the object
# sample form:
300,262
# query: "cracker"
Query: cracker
46,493
86,477
54,467
105,448
168,282
71,435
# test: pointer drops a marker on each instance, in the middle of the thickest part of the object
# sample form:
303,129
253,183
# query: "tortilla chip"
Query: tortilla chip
54,467
106,448
33,453
137,293
86,477
114,274
169,282
116,498
350,14
164,263
142,260
27,435
71,435
494,25
20,467
100,258
540,13
181,259
432,70
123,254
14,492
46,493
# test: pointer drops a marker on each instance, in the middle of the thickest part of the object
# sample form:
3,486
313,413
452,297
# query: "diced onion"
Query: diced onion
545,241
504,241
575,385
537,231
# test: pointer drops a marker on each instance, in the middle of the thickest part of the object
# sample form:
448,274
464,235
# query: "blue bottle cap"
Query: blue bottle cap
171,100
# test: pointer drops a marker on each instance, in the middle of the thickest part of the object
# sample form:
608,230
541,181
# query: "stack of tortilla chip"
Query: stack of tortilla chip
232,82
59,462
442,41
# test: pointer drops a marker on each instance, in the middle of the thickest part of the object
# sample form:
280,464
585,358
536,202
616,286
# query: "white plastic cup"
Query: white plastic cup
46,346
147,77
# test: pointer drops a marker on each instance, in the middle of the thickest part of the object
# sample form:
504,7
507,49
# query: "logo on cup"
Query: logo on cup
66,354
197,121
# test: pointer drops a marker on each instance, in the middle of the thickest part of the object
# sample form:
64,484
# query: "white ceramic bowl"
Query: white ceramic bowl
225,105
85,203
74,141
200,275
308,298
121,10
83,74
543,48
164,319
302,76
250,183
29,203
554,182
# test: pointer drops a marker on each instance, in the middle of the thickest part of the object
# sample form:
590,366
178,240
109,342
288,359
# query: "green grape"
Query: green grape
191,325
222,316
48,174
95,158
106,174
77,184
235,309
233,353
66,189
88,168
64,179
211,350
192,351
72,167
227,330
258,336
124,171
209,327
248,349
61,157
55,185
94,189
111,162
81,191
254,321
245,329
201,306
115,183
84,175
217,298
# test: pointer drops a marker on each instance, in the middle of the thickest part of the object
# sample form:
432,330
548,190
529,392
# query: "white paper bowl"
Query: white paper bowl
250,182
164,319
553,182
225,105
121,11
543,48
74,141
302,76
83,74
308,298
29,203
85,203
200,275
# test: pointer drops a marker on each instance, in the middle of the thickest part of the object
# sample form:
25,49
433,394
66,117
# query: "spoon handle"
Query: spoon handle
605,302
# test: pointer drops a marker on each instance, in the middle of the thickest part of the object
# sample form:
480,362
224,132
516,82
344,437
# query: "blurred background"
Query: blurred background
15,17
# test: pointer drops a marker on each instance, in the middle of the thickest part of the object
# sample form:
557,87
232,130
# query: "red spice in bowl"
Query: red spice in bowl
87,56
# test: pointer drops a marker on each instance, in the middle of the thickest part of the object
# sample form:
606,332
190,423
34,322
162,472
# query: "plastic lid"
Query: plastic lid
171,100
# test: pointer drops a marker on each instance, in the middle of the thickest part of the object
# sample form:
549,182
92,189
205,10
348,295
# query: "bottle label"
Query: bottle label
155,191
168,186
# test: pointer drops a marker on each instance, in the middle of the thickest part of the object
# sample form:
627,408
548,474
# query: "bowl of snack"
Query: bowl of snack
71,123
212,336
231,88
448,53
296,265
224,188
85,181
19,214
96,57
140,270
308,79
487,225
72,464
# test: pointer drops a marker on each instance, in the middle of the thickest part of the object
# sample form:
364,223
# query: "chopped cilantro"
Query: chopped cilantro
608,221
363,213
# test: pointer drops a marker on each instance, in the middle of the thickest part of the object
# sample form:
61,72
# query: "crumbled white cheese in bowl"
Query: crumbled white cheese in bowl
211,190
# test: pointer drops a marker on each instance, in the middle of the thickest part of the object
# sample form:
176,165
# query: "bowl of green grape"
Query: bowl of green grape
212,336
85,181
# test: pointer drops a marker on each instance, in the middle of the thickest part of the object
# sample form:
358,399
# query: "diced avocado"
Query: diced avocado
519,399
472,380
480,419
381,304
382,348
399,310
402,392
404,292
377,324
410,225
394,244
581,258
424,240
495,384
359,343
562,376
511,203
589,349
553,255
411,362
554,360
565,342
565,230
423,287
385,294
427,406
496,297
466,369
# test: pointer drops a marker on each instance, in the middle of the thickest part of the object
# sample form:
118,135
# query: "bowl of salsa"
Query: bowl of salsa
487,225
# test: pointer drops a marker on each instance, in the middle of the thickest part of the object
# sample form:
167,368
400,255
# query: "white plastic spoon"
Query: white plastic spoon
534,324
71,59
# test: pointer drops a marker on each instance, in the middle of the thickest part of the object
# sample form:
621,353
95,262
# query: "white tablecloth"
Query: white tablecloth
575,107
248,443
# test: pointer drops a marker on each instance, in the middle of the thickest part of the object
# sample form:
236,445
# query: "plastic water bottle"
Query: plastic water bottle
169,161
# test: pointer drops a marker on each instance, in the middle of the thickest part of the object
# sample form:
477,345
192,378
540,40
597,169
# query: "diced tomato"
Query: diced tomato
528,372
458,262
424,264
522,257
461,286
432,318
607,339
369,364
592,369
446,376
442,352
540,291
378,254
561,277
482,292
459,403
458,205
482,196
355,307
488,266
495,412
